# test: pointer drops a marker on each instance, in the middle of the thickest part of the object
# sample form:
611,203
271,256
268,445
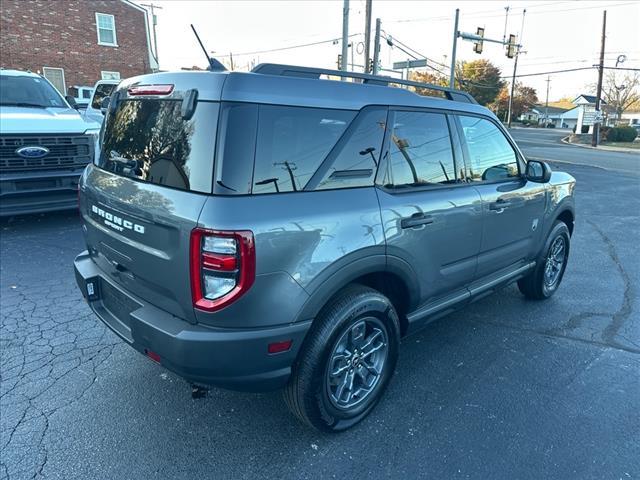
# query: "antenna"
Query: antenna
214,65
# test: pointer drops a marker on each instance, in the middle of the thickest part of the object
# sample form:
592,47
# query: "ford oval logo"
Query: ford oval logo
32,152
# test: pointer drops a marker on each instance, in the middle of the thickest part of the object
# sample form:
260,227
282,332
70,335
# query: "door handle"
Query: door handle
416,220
499,205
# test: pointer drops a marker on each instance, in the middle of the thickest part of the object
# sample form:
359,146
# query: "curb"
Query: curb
601,147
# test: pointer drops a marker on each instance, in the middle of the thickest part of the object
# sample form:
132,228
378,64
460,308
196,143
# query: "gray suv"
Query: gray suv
276,229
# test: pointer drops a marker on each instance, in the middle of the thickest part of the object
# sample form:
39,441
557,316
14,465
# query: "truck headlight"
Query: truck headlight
94,133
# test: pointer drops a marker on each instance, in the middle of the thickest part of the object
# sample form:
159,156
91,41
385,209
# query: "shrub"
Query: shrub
605,134
621,134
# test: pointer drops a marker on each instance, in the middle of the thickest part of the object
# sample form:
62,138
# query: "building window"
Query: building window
110,75
106,27
56,77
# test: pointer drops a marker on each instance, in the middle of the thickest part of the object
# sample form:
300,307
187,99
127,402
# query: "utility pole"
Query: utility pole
546,104
367,35
515,67
596,124
345,36
376,47
154,22
453,51
506,20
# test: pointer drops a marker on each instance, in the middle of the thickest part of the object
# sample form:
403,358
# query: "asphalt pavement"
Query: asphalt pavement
539,143
506,388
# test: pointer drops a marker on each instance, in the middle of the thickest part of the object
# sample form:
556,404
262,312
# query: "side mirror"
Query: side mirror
104,106
537,171
71,101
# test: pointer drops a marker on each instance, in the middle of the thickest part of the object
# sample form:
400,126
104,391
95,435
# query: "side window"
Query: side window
292,143
421,151
236,147
102,91
490,155
356,162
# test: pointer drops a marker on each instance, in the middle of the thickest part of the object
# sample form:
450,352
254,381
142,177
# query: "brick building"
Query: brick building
75,43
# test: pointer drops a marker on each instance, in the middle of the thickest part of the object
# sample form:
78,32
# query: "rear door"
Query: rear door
143,198
513,208
431,219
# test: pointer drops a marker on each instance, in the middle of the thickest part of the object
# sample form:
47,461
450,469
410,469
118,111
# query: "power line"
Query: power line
493,13
473,14
394,39
291,47
574,70
416,55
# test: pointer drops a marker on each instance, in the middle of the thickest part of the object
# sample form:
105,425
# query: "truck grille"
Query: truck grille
64,152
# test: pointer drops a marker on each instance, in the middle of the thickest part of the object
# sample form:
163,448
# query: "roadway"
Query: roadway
538,143
506,388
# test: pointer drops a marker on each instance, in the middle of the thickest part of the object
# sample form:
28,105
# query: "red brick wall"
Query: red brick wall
62,33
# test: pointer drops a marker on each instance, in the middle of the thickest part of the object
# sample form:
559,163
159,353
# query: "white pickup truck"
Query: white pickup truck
44,145
101,90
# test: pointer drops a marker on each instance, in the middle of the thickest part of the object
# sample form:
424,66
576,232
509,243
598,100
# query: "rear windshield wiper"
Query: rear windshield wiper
22,104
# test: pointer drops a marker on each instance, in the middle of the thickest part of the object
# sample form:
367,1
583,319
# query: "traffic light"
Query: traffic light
511,46
339,61
477,46
369,68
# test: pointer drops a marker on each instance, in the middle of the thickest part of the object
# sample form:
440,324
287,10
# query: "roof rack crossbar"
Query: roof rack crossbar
311,72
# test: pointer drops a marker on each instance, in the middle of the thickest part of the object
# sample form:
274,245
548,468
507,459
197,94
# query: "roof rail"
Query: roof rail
312,72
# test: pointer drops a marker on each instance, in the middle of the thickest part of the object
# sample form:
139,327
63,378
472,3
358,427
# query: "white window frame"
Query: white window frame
111,74
113,23
64,83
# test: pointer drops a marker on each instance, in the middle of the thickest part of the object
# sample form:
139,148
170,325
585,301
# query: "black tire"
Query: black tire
535,285
309,394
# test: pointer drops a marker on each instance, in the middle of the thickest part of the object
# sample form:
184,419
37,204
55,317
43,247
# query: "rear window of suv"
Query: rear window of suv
148,140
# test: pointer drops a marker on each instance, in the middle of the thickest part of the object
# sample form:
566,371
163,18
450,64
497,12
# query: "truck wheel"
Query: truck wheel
346,362
545,278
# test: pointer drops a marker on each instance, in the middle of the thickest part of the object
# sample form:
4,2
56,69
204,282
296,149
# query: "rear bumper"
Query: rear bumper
37,192
234,359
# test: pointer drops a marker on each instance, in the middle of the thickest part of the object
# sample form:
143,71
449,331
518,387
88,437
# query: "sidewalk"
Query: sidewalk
602,147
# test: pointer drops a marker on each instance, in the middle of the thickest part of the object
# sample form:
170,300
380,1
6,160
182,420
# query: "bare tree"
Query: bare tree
621,91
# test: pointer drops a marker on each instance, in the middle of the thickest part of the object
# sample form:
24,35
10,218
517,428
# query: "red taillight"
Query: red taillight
223,267
150,90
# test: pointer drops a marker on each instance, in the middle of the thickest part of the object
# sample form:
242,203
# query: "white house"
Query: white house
631,118
559,117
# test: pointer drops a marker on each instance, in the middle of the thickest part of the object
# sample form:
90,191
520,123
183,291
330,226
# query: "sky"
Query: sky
556,35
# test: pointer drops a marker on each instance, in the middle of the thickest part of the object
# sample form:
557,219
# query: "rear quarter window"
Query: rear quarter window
292,143
272,148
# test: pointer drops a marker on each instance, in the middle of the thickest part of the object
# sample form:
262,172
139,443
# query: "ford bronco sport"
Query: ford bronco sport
276,229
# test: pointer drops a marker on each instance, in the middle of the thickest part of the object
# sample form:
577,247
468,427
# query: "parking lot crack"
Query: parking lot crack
618,318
